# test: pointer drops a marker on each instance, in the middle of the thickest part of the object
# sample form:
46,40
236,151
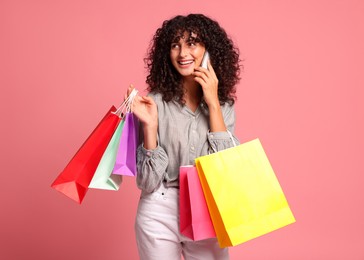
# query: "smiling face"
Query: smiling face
186,53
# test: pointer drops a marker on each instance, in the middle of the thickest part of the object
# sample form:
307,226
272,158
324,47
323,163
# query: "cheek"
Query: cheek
173,59
173,56
199,53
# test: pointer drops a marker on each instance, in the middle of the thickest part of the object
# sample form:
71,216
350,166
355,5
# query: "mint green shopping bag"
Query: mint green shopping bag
103,179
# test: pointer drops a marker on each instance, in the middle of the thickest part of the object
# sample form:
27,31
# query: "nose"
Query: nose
183,51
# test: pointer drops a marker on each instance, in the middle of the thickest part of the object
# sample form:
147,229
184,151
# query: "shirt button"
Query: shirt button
192,148
211,136
149,153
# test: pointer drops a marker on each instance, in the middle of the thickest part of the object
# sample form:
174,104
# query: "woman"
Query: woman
186,115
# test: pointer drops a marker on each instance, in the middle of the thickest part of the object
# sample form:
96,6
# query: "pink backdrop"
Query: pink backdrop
63,63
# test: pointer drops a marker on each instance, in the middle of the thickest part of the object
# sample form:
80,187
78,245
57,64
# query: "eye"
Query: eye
174,46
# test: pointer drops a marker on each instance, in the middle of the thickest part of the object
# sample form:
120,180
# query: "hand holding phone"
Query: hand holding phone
205,59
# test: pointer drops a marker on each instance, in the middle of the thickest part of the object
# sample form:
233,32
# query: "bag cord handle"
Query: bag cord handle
126,105
231,137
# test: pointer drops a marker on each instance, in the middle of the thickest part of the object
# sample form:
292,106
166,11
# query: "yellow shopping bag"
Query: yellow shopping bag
244,197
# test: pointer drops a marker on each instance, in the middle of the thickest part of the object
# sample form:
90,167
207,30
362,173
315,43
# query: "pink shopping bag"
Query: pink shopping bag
195,220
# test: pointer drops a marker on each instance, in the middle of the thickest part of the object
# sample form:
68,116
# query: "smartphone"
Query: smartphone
205,58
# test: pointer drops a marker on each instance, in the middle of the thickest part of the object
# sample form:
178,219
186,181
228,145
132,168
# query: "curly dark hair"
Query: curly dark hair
224,56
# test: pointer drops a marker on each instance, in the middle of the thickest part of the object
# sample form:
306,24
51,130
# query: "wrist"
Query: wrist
150,126
214,107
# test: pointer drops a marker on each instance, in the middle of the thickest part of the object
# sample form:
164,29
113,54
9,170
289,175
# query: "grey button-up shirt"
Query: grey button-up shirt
183,135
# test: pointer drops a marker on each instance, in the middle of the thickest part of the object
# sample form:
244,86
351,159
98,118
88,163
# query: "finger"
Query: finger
202,70
136,103
148,99
200,81
201,75
207,73
211,69
130,89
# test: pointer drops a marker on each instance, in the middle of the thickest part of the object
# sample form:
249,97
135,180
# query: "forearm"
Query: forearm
219,138
150,137
217,123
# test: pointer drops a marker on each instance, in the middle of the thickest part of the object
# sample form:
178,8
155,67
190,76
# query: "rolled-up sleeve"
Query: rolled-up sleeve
222,140
151,167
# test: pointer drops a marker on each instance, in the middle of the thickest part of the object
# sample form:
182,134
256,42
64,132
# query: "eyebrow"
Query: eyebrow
190,39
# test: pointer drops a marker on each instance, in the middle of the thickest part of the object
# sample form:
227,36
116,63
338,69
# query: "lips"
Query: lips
185,62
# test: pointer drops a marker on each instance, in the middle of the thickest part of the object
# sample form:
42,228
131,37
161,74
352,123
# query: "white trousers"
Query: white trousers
157,231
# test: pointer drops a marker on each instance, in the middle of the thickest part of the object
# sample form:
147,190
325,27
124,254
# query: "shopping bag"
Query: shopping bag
103,179
195,220
244,197
125,163
74,180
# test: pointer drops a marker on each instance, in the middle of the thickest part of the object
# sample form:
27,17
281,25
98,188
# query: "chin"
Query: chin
186,73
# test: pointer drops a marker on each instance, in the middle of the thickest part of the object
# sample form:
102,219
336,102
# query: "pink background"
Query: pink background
64,63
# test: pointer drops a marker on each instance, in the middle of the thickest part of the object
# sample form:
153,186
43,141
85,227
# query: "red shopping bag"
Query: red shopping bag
74,180
195,220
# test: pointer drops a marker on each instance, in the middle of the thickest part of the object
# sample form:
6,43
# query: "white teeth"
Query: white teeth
185,62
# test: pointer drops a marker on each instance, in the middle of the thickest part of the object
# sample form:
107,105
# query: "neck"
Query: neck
193,93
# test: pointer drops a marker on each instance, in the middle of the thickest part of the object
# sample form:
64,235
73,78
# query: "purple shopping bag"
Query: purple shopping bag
125,163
